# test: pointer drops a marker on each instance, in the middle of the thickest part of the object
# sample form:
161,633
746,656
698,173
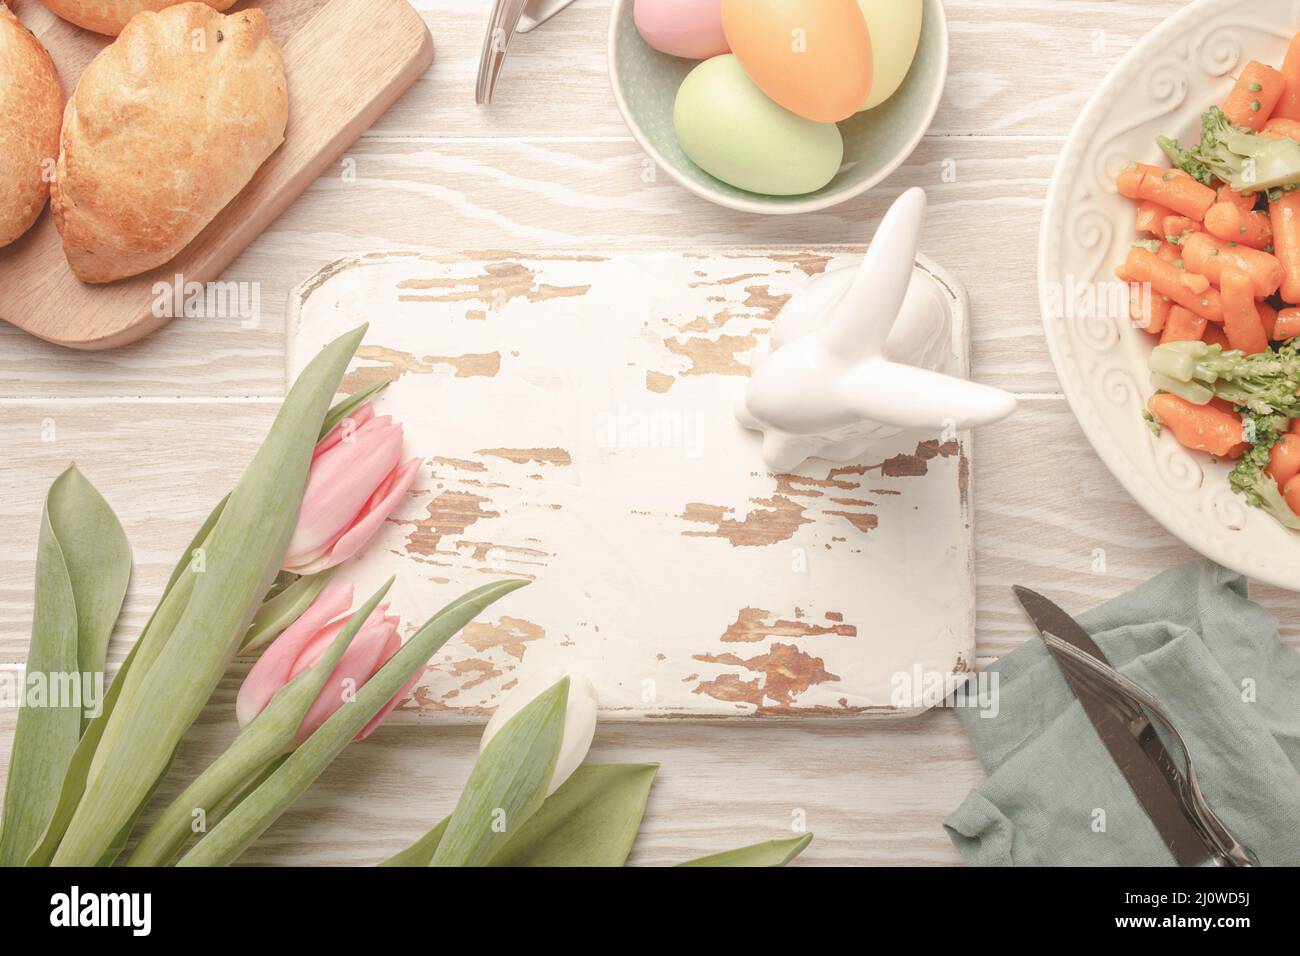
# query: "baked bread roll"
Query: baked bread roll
110,16
31,106
168,123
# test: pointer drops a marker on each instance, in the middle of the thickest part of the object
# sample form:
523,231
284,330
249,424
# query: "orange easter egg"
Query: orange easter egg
811,56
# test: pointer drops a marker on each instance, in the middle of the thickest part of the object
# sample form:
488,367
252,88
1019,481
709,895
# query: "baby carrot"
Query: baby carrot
1281,129
1171,188
1287,325
1228,223
1295,427
1288,107
1255,96
1284,460
1207,256
1241,320
1148,310
1175,229
1284,212
1214,336
1198,427
1292,495
1223,405
1244,202
1166,279
1149,217
1130,181
1267,318
1183,326
1174,254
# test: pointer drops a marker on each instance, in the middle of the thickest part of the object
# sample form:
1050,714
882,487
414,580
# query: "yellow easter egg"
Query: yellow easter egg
895,29
811,56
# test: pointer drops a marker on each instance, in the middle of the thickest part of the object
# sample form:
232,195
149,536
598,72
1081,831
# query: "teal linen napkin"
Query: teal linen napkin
1212,657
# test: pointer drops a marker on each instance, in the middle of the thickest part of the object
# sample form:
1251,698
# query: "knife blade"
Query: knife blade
1135,747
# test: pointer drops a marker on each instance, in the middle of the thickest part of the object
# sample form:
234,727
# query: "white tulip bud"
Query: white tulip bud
579,717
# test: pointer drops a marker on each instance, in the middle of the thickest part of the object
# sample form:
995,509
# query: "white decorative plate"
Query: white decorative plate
1163,86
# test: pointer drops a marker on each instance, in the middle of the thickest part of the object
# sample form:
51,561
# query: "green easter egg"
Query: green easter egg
729,128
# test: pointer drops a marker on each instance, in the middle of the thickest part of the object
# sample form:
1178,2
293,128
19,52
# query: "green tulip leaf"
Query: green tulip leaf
46,736
771,853
421,851
74,781
98,561
508,782
592,820
83,564
119,842
240,559
224,843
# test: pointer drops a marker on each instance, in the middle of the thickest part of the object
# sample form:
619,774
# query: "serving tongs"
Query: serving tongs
508,18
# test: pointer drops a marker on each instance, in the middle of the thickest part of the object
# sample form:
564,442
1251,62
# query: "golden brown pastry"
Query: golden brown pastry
31,106
168,123
110,16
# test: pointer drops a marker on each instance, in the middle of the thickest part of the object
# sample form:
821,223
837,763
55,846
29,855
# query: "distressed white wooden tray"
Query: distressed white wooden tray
575,416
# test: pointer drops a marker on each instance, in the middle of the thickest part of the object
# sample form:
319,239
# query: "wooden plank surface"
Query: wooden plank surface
164,426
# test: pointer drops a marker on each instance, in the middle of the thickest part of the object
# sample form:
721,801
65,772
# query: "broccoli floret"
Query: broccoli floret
1251,478
1186,159
1263,388
1243,159
1264,384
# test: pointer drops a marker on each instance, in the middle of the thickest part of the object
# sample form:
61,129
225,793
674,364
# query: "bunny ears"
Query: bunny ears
854,360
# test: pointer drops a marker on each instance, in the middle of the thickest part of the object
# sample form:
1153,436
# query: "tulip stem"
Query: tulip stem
282,609
239,560
269,734
250,819
349,405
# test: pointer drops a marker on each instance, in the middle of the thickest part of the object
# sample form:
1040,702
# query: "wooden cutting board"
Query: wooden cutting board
346,62
574,411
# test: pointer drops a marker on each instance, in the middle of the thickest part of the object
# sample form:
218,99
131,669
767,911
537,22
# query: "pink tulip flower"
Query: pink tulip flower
304,643
356,480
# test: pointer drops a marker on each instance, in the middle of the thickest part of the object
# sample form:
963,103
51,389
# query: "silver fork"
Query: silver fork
1129,698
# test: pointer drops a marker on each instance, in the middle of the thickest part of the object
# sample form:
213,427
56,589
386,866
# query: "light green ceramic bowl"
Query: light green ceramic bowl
876,142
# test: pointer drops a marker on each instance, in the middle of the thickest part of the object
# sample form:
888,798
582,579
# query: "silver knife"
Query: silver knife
1134,746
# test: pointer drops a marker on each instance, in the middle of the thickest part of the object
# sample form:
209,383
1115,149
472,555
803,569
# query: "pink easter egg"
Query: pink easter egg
687,28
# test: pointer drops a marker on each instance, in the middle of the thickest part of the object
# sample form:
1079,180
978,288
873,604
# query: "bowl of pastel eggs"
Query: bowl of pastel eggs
778,106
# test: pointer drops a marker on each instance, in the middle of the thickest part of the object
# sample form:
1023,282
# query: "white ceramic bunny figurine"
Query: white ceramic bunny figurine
854,357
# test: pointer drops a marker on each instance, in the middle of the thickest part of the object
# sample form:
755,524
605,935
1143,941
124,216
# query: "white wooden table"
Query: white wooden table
165,426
